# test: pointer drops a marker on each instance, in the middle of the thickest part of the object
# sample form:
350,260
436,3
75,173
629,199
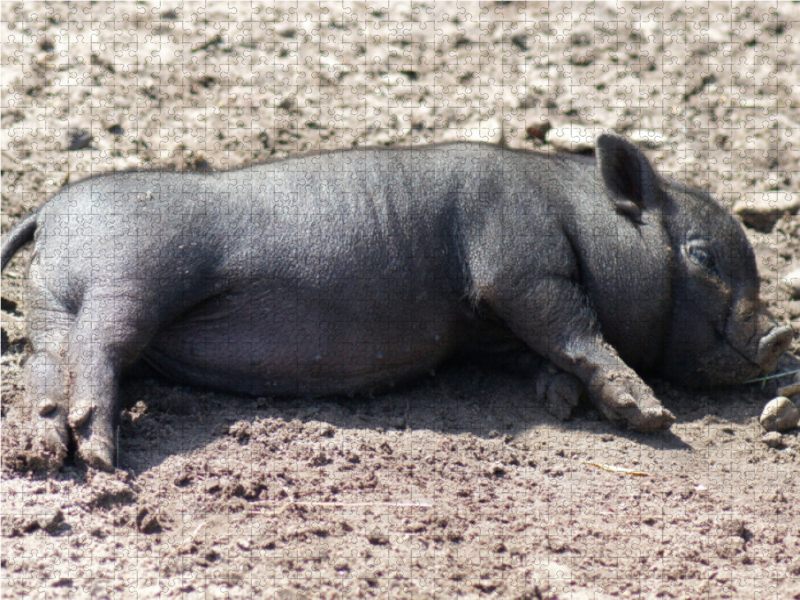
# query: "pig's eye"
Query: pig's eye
701,256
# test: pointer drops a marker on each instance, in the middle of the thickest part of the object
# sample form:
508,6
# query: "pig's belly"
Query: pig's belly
293,351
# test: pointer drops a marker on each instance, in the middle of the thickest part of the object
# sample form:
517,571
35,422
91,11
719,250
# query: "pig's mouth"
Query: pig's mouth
762,359
724,351
749,361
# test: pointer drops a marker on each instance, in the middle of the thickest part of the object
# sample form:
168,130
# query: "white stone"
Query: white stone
780,414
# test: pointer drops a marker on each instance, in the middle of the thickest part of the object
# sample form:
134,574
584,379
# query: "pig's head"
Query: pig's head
718,332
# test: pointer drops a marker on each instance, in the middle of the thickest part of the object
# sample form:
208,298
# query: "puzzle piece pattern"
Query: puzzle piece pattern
460,487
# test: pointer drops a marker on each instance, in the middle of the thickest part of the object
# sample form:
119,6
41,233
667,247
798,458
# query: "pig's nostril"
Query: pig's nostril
774,344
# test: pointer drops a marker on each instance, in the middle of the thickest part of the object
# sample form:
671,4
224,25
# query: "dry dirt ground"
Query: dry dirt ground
461,485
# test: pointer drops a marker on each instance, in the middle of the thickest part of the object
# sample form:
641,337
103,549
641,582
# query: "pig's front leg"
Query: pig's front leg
560,391
618,391
554,317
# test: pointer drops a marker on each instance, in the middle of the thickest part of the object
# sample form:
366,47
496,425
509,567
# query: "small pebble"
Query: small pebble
46,43
51,521
773,439
538,131
244,544
780,414
78,139
378,539
341,565
792,282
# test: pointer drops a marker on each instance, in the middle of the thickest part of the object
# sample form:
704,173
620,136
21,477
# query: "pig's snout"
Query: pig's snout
772,346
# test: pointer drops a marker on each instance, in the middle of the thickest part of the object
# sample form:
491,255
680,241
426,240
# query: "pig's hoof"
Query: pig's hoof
55,433
627,401
563,393
627,411
651,419
79,415
52,437
97,451
55,443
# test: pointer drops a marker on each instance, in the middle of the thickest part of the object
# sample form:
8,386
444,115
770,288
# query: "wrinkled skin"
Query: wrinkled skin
349,271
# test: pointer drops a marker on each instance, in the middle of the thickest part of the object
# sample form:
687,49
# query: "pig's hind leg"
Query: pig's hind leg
112,329
43,414
561,391
72,377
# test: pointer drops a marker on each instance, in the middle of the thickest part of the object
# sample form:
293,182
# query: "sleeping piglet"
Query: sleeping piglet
344,272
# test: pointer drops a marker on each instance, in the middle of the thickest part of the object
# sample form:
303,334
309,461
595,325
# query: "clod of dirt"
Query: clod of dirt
762,210
147,521
780,414
341,565
241,431
496,470
22,452
378,538
78,139
212,486
794,569
773,439
538,131
183,479
46,44
107,490
49,521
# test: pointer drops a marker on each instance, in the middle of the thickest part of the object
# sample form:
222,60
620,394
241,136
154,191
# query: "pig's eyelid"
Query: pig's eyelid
706,248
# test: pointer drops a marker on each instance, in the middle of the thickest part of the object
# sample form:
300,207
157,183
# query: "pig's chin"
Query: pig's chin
734,363
732,373
725,366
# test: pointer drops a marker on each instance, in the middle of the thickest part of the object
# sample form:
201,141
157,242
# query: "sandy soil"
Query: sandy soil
461,485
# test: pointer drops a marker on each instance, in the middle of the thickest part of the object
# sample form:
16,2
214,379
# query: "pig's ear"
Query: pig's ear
627,175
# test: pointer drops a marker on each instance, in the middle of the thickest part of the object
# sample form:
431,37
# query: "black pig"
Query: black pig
347,271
